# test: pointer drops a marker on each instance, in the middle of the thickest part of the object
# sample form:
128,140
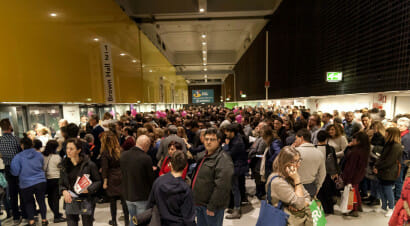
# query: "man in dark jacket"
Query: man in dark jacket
137,176
212,182
97,130
235,147
173,196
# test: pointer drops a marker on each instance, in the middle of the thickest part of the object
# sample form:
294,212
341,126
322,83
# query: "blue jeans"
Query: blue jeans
375,188
399,183
204,220
135,208
387,196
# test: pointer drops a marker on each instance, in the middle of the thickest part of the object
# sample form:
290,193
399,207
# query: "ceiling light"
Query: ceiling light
203,43
204,58
205,69
96,39
134,61
204,36
204,52
204,64
150,70
201,10
53,14
122,54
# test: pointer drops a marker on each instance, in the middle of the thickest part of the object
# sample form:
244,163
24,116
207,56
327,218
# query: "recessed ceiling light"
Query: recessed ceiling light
204,36
203,43
96,39
204,58
204,64
134,61
204,52
205,69
201,10
53,14
122,54
150,70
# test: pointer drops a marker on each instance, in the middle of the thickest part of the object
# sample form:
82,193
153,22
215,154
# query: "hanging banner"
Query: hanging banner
202,96
108,73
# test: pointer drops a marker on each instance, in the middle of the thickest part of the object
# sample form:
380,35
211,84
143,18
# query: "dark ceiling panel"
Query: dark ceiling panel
240,5
160,6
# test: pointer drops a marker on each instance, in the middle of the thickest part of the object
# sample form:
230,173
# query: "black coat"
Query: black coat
173,198
236,149
69,174
112,171
137,174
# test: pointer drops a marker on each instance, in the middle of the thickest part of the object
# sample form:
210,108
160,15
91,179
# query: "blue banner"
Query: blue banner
202,96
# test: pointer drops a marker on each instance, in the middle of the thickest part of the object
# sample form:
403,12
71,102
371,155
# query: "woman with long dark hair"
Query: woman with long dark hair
74,166
355,164
111,174
52,169
387,168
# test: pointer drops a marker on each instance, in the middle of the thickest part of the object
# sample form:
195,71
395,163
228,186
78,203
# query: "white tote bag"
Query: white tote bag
344,201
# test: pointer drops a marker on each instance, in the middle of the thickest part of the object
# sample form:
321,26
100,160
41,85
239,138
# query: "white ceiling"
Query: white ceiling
230,27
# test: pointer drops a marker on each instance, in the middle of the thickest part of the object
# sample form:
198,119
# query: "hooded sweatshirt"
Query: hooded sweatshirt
28,166
174,200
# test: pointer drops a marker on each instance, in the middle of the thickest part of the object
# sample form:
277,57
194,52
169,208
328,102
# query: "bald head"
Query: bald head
143,142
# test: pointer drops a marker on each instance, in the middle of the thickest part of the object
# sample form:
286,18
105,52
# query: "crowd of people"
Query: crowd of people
190,165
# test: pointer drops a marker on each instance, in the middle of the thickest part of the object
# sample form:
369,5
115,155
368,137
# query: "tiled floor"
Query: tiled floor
250,215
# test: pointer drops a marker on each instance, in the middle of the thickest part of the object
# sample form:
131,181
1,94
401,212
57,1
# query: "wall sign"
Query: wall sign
202,96
334,76
108,73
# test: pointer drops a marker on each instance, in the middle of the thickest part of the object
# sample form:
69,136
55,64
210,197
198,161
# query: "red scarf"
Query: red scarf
404,132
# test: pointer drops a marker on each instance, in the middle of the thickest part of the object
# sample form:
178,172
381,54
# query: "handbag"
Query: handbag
269,213
79,206
149,217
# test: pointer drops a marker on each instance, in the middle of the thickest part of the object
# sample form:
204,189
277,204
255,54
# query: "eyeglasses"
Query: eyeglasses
297,161
210,139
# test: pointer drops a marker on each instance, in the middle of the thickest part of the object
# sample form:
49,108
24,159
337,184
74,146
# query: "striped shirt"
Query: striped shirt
9,147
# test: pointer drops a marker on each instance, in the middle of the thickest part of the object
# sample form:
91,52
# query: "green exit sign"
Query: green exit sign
334,76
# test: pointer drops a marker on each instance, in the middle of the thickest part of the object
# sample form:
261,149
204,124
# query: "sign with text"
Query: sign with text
202,96
108,73
334,76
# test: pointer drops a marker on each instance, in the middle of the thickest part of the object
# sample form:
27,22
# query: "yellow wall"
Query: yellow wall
55,59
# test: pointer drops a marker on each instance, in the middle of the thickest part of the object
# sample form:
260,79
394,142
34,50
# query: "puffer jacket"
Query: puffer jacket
388,163
212,182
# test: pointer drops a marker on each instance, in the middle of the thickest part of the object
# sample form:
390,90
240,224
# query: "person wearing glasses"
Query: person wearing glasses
287,187
312,168
212,181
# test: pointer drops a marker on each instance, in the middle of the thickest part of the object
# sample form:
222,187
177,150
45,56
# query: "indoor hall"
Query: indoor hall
82,73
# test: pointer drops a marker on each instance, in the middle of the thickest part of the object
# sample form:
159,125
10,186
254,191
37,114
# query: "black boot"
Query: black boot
236,214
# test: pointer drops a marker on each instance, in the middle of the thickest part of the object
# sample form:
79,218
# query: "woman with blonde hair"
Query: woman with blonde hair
111,174
286,187
387,168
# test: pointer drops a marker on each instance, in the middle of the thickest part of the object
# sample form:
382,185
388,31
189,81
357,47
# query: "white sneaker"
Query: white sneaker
388,213
380,210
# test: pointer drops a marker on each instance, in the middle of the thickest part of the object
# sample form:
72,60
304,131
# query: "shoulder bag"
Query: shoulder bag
79,205
269,213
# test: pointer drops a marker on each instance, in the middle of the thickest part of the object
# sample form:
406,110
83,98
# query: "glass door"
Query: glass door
10,113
